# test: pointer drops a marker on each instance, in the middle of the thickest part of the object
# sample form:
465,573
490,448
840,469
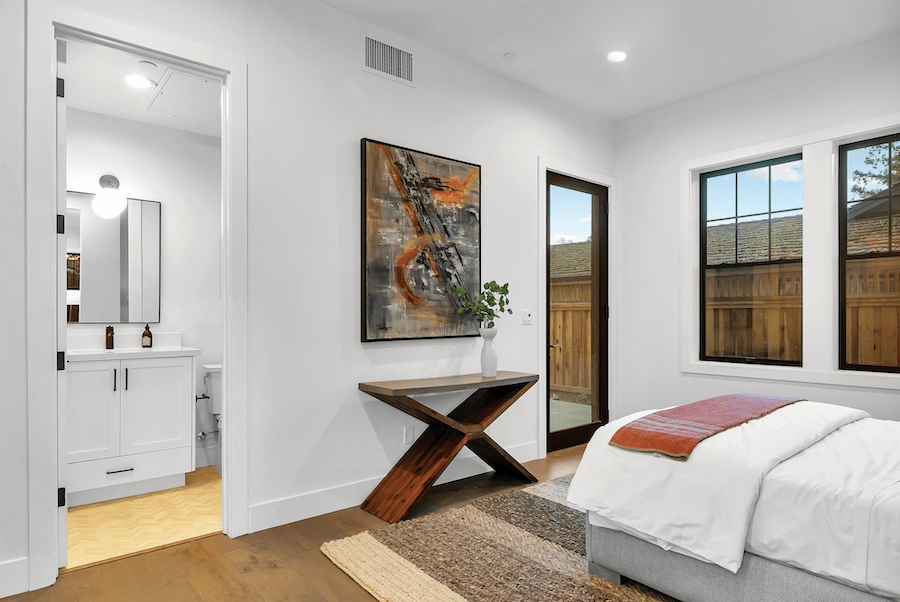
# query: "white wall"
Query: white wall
793,105
316,443
181,171
13,400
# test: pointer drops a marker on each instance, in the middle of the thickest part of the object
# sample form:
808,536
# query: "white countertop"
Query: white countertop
127,353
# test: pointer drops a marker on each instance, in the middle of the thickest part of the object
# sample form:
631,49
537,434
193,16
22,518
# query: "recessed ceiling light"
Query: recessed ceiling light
616,56
510,56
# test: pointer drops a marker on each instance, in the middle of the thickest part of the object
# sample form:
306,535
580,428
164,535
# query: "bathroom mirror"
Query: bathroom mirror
112,264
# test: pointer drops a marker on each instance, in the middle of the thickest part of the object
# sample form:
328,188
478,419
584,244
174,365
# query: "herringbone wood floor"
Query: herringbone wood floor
106,530
283,564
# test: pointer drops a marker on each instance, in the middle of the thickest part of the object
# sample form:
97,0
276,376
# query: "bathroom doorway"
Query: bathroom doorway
163,143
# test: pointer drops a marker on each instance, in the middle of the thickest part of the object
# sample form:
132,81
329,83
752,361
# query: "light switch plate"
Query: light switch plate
527,317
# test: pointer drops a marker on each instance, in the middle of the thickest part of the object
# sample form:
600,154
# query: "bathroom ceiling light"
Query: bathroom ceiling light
616,56
110,201
143,77
139,81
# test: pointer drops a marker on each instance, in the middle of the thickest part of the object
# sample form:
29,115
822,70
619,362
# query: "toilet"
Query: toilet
213,381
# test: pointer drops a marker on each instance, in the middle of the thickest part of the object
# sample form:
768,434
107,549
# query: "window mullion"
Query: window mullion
736,221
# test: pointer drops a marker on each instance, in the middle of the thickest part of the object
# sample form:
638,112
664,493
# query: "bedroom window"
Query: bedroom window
751,252
869,233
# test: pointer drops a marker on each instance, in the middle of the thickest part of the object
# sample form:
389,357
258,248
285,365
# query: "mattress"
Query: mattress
832,507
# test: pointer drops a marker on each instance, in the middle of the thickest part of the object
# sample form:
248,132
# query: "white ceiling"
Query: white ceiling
676,48
95,82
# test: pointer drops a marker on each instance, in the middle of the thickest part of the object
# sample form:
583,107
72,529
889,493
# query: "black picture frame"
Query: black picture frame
420,239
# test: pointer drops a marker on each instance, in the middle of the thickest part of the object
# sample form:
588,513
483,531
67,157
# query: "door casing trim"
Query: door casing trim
45,22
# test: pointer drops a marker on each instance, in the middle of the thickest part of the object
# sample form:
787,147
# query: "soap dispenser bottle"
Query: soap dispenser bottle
109,337
147,338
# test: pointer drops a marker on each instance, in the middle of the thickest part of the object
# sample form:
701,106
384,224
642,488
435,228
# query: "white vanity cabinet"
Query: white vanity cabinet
130,422
157,403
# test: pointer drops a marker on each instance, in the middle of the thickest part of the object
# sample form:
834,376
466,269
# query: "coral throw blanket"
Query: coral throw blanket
676,431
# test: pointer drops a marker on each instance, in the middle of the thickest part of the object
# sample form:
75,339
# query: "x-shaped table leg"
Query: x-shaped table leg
429,456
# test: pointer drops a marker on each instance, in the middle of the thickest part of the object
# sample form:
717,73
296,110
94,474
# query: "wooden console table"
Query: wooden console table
419,468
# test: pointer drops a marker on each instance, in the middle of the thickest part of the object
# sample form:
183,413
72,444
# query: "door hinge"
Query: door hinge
60,87
60,224
607,207
60,360
61,497
607,311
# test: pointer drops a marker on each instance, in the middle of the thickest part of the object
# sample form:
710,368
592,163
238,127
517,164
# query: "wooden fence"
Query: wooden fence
873,312
757,311
751,311
754,311
570,328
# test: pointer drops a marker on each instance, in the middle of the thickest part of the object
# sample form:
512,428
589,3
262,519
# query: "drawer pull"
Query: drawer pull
118,471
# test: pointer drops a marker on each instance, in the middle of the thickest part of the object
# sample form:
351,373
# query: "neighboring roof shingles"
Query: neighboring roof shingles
864,235
572,259
753,239
868,235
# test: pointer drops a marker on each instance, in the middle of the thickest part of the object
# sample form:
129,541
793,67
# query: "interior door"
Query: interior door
577,309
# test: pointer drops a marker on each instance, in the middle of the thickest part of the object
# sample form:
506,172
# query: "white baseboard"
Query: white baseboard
102,494
13,577
307,505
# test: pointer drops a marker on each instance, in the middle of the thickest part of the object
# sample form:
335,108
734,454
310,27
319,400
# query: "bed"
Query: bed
801,505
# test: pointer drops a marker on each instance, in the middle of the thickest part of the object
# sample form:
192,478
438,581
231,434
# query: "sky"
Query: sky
856,162
570,215
753,193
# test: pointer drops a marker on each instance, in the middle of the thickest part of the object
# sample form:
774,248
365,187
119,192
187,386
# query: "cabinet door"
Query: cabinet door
93,410
156,404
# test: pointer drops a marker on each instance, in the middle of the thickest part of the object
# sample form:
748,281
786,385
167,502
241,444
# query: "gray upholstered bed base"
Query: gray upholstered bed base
613,554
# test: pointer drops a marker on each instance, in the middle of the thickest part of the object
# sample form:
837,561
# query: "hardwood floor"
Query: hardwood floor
283,564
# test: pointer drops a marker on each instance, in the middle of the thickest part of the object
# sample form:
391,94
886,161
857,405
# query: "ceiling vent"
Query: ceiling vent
388,61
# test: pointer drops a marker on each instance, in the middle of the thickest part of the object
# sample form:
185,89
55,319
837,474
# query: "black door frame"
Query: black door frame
599,311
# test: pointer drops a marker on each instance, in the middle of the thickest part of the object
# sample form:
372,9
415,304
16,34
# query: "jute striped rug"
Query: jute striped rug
526,545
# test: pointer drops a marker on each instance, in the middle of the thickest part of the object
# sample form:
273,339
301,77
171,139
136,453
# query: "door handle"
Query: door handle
115,378
554,346
126,379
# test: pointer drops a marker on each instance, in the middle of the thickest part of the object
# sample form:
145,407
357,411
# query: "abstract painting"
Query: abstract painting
421,238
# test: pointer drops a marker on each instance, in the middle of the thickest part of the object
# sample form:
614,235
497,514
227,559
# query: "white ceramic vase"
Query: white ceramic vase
488,353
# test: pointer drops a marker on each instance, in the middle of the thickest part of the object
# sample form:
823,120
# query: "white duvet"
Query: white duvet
834,509
705,507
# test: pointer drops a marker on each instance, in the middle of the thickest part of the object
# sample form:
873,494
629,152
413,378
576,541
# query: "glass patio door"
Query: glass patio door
577,309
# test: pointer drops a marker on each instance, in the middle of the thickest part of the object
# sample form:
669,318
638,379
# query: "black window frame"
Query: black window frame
843,150
703,256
